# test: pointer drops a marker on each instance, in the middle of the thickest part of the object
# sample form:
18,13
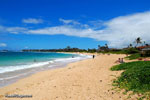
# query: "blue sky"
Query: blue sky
44,24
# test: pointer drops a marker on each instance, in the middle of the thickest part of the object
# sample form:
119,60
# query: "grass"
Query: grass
136,77
134,56
129,65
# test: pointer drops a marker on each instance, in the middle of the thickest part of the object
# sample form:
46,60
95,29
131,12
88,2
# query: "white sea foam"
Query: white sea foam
80,57
19,67
40,64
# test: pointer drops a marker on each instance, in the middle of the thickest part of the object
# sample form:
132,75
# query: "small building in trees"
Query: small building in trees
145,50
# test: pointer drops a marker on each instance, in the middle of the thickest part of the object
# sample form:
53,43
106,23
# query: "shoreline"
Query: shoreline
81,80
11,77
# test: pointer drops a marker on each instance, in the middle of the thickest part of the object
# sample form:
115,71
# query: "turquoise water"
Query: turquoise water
22,58
12,61
16,65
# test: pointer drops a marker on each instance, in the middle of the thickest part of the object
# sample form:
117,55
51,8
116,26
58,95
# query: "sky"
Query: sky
49,24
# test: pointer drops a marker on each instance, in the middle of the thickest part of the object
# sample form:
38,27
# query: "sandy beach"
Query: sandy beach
90,79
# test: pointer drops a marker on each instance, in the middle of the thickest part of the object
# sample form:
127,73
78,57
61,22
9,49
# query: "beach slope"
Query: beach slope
89,79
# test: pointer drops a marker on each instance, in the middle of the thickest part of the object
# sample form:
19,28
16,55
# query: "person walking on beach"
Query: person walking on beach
93,56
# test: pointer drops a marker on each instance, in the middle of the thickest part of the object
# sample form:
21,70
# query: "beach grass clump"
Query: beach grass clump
129,65
136,77
134,56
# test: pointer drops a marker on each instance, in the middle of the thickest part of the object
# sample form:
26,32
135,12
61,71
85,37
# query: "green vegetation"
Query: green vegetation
134,51
112,52
67,49
136,77
134,56
121,51
129,65
137,55
131,51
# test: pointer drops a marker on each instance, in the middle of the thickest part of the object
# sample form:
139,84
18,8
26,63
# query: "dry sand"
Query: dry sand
89,79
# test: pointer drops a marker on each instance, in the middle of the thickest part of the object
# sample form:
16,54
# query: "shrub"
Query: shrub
131,51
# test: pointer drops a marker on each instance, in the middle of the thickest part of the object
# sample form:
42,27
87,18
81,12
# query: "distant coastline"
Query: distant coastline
55,50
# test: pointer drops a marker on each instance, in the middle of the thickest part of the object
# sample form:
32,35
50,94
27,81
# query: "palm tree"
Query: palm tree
106,45
130,45
99,47
138,41
144,43
68,47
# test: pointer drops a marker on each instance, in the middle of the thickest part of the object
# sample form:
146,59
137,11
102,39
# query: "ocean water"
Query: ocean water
15,65
10,61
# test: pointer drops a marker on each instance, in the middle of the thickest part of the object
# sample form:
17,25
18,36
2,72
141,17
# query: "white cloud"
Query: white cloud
123,30
96,24
66,30
118,32
3,45
32,21
16,30
69,21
